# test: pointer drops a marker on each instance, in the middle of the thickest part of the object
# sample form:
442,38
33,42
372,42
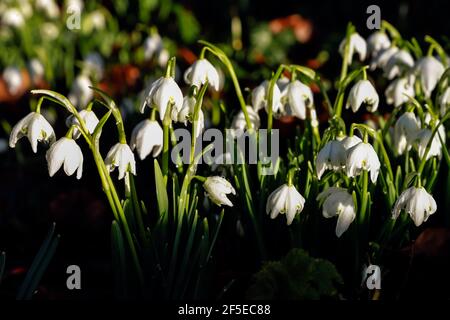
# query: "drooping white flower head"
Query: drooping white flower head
331,156
147,137
398,63
363,92
349,141
80,93
417,202
282,83
363,157
12,17
94,65
405,131
217,189
423,137
13,79
160,93
357,45
49,7
65,151
187,114
240,125
338,202
259,97
89,118
35,127
444,101
285,200
201,71
153,44
376,42
429,71
297,97
36,70
121,156
382,57
399,90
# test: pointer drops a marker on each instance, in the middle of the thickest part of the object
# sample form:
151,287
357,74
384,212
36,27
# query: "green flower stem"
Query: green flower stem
170,70
364,196
272,83
153,115
196,115
38,106
344,67
69,133
324,93
387,161
166,135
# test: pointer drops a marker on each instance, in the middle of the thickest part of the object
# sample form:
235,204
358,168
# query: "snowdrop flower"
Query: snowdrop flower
382,57
90,119
417,202
429,70
444,101
338,202
423,137
349,141
363,157
357,45
74,5
163,57
94,64
331,156
35,128
398,91
217,189
285,200
405,131
283,83
160,93
297,97
376,42
363,92
187,113
120,156
13,79
239,122
50,8
152,45
36,70
95,21
80,93
65,151
147,137
399,62
259,97
201,71
13,17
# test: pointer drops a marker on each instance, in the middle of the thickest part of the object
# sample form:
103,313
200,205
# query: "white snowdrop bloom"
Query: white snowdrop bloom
357,45
121,156
152,45
163,58
160,93
348,142
94,64
65,152
444,101
376,42
398,91
97,20
363,92
417,202
423,137
282,83
187,114
259,97
80,94
49,7
338,202
90,119
285,200
405,131
36,70
147,137
13,79
74,5
217,189
429,70
13,18
200,72
363,157
398,63
240,125
297,97
382,57
35,128
331,157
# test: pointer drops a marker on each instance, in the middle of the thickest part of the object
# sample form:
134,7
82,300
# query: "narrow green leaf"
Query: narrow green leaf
161,191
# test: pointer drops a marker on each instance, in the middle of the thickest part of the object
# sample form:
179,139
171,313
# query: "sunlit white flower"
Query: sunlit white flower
363,92
163,57
259,97
200,72
240,125
13,17
337,201
331,156
357,45
282,83
90,119
399,91
50,7
423,137
363,157
147,137
13,79
349,141
122,157
444,101
152,45
35,128
74,5
429,71
382,57
95,21
297,96
217,189
376,42
94,64
285,200
398,63
405,131
65,151
36,70
160,93
417,202
80,93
